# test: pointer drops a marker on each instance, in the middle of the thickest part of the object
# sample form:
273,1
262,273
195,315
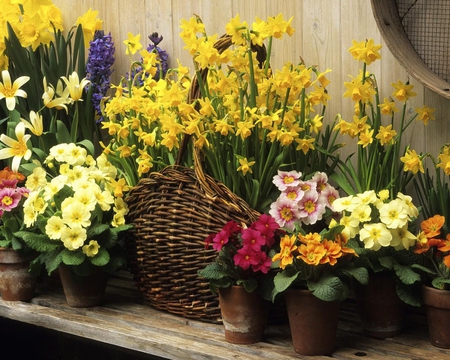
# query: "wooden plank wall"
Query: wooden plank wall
324,32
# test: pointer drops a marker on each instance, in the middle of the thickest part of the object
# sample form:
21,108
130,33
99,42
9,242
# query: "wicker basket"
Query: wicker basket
173,211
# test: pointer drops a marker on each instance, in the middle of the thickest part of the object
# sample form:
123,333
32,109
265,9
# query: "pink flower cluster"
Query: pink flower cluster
301,201
248,247
10,194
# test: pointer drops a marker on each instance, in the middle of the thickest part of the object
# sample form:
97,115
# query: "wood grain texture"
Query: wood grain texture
124,321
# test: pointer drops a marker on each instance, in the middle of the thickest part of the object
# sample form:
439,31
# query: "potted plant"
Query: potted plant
314,258
241,274
432,246
381,163
74,218
18,284
379,231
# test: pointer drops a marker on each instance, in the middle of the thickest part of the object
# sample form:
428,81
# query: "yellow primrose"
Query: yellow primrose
91,249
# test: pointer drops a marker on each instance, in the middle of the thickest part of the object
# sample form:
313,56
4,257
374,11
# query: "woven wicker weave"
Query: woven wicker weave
173,211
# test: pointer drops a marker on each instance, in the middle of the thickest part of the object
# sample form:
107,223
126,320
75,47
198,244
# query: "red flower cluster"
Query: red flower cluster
247,246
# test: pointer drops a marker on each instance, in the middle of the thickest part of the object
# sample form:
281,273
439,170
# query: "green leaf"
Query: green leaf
406,274
440,283
38,242
213,271
97,230
101,259
52,260
424,269
409,294
328,288
62,133
284,280
360,274
72,257
250,285
387,262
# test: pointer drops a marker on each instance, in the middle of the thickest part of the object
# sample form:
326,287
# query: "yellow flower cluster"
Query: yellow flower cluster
377,220
35,23
247,120
81,195
379,148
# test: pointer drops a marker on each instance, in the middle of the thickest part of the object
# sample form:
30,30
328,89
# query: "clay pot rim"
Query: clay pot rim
429,294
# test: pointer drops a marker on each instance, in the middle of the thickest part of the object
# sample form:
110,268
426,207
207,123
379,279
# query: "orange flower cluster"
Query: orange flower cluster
313,250
8,174
431,229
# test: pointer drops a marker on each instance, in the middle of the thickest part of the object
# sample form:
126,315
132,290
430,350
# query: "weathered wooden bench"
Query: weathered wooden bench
125,322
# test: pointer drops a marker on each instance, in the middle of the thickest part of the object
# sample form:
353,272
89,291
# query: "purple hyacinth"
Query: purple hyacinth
163,60
99,68
162,54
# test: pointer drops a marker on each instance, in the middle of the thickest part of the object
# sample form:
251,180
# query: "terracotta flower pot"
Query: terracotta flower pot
313,322
83,291
380,309
437,305
16,282
244,315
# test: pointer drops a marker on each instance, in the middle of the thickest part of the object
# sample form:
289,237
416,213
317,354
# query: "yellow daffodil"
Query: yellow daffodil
402,92
245,165
9,90
17,149
133,43
386,135
425,114
90,24
412,162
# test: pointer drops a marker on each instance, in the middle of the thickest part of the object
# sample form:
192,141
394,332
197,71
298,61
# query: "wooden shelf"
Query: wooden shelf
125,322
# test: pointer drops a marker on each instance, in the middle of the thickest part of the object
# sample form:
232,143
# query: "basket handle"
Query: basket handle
223,43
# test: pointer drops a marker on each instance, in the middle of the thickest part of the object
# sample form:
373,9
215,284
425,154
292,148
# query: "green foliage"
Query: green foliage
329,288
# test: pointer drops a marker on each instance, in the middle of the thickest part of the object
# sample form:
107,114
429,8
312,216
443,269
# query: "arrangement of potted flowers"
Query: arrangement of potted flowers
241,274
379,231
74,213
380,173
314,258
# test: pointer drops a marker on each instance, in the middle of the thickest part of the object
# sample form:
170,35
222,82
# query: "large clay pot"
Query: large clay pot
380,309
16,282
83,291
313,322
437,305
244,315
